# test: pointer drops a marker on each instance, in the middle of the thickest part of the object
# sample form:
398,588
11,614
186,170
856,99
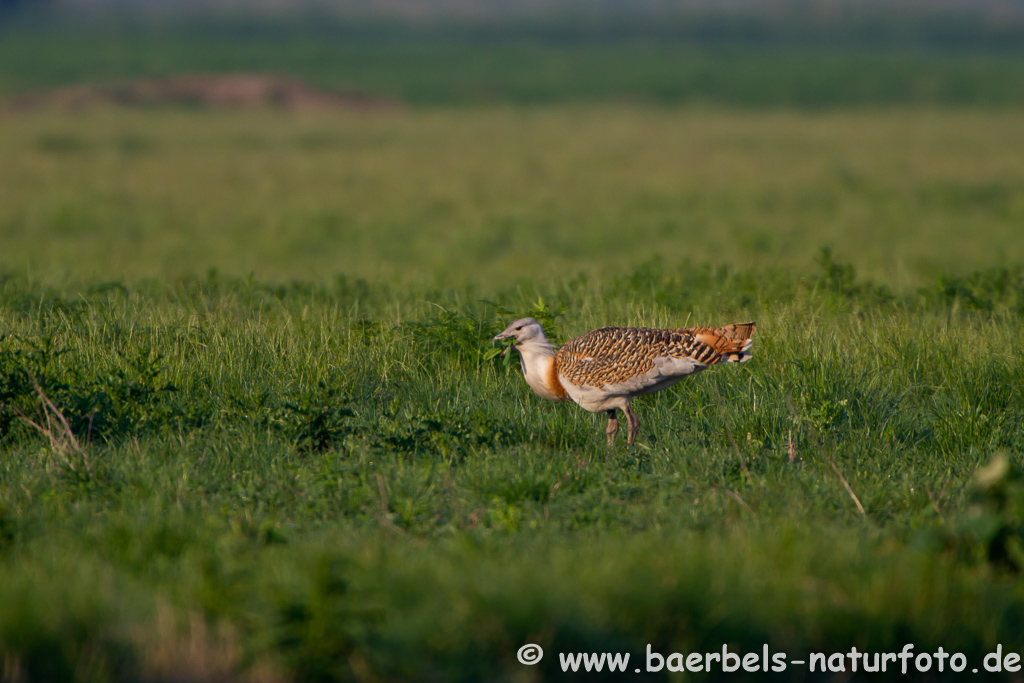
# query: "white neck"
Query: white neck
537,357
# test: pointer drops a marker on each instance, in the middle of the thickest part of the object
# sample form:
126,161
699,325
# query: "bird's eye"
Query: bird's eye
519,328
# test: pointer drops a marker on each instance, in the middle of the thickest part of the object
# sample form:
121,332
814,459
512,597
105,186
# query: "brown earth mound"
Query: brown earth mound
237,91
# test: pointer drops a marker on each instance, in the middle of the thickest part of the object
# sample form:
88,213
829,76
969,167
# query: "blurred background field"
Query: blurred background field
500,194
742,53
251,426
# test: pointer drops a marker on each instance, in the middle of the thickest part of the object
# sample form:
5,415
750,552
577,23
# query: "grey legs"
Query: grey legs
632,424
613,427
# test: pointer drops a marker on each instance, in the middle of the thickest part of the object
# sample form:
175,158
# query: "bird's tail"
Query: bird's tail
730,343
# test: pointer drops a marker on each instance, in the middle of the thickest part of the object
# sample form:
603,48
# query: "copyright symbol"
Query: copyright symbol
530,654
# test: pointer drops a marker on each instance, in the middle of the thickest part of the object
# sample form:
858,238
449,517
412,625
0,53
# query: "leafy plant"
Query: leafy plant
318,418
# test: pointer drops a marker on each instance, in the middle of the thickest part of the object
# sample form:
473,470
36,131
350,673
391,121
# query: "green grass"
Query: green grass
297,459
338,475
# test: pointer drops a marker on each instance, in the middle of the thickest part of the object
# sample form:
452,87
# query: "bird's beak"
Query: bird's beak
499,337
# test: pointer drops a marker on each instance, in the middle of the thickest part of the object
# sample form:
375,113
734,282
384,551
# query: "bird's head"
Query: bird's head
523,331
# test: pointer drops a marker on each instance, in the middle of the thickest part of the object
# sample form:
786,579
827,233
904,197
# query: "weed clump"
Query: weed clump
983,290
993,525
317,418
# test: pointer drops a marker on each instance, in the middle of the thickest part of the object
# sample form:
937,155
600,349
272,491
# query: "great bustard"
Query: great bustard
603,369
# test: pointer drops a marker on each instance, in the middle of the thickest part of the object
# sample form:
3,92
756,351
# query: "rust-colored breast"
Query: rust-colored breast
555,384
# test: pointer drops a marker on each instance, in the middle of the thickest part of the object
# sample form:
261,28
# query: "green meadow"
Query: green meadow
491,197
252,427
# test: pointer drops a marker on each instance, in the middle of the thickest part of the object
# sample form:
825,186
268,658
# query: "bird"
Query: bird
604,369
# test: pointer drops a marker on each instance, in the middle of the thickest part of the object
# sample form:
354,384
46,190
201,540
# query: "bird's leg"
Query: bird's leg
632,423
613,427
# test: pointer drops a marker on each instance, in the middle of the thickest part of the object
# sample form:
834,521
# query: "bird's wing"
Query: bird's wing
631,359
